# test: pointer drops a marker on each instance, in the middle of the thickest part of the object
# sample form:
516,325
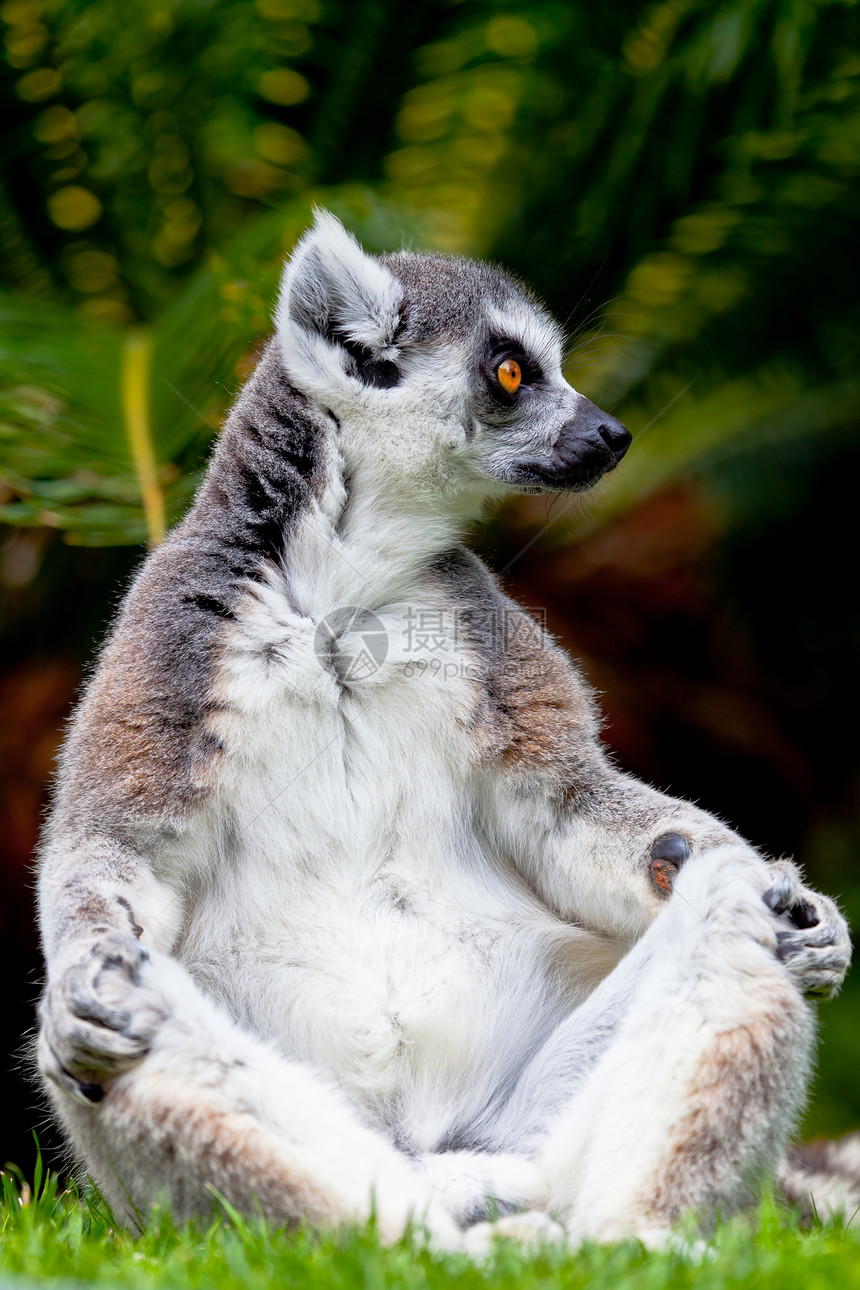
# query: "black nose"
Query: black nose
592,426
589,445
615,435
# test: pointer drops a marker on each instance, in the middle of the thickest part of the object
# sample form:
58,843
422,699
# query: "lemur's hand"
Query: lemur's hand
96,1021
813,940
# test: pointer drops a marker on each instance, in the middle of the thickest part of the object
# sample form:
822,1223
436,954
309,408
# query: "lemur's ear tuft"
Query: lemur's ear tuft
331,289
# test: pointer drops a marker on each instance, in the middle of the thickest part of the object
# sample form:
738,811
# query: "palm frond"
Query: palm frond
696,163
103,431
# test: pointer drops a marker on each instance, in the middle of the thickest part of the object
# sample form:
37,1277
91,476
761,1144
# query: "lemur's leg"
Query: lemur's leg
599,847
211,1110
163,1096
676,1085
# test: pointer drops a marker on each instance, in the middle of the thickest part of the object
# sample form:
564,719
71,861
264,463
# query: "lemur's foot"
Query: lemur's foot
531,1230
813,941
476,1185
96,1020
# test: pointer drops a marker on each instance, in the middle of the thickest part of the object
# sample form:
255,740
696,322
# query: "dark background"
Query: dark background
679,180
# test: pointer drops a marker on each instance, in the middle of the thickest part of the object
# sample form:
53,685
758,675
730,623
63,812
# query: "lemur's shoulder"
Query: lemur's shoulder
538,712
142,743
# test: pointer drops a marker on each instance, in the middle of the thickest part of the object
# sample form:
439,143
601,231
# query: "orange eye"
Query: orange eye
509,375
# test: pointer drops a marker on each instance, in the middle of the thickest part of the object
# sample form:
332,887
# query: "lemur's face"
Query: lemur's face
444,373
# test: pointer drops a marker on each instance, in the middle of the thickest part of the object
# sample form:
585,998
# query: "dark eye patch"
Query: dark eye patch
381,373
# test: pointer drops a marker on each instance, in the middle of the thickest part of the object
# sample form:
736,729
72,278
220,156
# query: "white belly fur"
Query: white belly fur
349,910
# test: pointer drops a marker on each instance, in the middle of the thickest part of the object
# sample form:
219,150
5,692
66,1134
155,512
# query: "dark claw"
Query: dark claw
671,847
84,1006
778,898
129,959
802,914
668,853
786,945
92,1092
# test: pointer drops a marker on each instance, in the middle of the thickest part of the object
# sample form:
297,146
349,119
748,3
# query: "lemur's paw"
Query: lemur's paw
532,1230
475,1185
813,940
96,1018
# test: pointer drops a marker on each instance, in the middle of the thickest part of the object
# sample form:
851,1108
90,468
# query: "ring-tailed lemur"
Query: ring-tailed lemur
345,908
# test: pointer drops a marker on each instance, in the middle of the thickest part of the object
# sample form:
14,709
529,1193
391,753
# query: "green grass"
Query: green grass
64,1238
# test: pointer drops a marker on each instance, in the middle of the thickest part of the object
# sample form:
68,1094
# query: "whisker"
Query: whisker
665,409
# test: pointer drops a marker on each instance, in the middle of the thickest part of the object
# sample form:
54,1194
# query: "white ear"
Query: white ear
333,293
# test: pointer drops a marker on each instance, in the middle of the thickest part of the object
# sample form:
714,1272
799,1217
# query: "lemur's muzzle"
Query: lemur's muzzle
588,446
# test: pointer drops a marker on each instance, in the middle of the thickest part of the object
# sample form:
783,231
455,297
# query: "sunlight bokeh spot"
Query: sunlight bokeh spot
279,144
511,36
55,125
284,86
74,208
43,83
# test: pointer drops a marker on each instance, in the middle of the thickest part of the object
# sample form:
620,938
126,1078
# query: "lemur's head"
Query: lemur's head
445,373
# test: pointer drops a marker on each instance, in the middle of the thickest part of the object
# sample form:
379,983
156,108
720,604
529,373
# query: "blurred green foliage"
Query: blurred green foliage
694,164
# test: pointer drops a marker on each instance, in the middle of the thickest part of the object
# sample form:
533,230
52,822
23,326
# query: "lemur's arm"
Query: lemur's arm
144,751
137,761
607,857
101,909
130,768
597,845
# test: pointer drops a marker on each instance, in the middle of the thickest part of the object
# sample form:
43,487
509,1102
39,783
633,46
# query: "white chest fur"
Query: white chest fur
348,907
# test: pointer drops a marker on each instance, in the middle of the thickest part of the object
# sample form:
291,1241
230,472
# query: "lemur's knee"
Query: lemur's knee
716,903
740,1109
